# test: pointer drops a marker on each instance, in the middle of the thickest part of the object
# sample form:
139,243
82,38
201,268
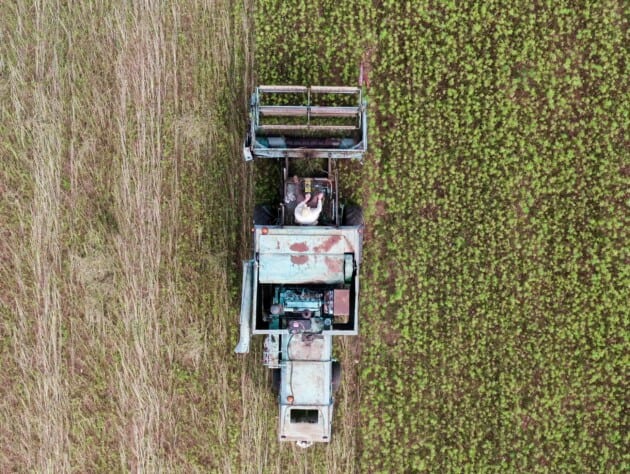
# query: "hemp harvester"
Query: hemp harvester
301,287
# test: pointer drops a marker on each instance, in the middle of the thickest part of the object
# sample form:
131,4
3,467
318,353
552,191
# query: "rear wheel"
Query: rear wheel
264,215
352,215
336,376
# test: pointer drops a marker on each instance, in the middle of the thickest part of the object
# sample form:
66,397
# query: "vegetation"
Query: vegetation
494,316
120,176
493,327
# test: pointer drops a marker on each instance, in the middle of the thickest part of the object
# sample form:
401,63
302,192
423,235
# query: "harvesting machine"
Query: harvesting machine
301,286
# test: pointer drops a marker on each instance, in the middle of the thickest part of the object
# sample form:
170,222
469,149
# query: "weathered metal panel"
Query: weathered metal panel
305,347
320,432
305,254
355,327
308,239
306,378
300,269
341,302
307,372
308,382
254,297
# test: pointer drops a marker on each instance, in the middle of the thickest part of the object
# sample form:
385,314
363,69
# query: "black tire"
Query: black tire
275,381
336,376
264,215
352,215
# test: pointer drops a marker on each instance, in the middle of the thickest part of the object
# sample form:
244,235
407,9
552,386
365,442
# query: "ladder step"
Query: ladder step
302,111
280,89
335,90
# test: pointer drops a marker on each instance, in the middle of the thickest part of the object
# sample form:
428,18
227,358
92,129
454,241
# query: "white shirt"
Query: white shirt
307,215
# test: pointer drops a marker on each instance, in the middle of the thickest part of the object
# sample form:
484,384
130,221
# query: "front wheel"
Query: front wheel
352,215
264,215
336,376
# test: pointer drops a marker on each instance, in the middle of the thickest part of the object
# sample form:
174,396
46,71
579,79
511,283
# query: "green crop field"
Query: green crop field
494,308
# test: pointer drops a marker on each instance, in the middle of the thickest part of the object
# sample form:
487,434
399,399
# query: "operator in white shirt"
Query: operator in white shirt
305,214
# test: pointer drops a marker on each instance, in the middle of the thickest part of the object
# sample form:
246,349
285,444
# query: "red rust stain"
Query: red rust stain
299,259
349,245
333,264
299,247
328,244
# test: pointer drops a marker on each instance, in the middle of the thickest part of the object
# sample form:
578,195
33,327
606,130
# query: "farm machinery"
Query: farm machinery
301,286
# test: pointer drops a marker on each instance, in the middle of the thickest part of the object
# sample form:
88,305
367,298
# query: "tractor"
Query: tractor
301,286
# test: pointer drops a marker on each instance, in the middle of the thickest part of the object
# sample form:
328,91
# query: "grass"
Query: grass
119,258
493,304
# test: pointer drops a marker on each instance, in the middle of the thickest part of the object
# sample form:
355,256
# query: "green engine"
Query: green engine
302,309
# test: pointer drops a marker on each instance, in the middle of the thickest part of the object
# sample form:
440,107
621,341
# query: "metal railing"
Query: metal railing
278,128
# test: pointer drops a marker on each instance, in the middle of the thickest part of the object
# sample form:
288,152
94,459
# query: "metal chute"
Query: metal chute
246,308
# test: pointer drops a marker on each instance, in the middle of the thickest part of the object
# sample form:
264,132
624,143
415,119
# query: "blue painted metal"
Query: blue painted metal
301,269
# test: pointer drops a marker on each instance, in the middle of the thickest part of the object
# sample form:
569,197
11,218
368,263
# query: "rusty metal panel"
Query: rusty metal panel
299,269
306,240
303,347
304,254
341,302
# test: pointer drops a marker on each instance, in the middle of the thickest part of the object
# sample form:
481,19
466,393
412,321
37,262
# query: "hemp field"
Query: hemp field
494,312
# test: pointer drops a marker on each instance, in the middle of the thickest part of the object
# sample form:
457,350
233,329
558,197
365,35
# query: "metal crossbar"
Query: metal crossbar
306,111
306,127
305,89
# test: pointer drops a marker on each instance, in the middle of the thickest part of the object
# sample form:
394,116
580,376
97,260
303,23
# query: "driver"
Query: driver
305,213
